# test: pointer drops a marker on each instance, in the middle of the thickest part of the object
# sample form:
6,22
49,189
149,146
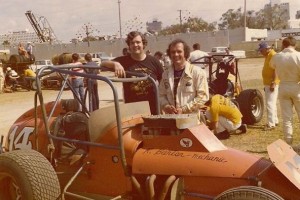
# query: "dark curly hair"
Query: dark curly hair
186,47
133,34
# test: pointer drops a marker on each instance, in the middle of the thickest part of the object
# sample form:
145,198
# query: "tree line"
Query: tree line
270,17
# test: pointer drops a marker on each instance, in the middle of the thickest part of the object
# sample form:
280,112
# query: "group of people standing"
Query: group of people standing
183,87
77,82
281,78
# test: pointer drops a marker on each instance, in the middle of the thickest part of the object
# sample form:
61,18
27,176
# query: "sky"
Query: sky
69,17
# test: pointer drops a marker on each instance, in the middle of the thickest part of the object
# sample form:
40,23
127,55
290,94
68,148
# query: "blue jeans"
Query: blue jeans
78,85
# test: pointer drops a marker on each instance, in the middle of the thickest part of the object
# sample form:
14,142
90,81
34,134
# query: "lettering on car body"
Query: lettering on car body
21,140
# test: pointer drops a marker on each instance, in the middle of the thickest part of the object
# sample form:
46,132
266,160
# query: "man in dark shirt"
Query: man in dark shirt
137,61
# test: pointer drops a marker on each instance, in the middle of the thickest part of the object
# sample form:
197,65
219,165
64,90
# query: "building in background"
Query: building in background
13,38
154,26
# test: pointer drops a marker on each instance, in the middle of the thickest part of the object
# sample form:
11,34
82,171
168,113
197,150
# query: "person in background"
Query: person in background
148,52
137,61
1,78
224,117
159,56
270,81
29,74
166,59
77,81
11,77
21,50
183,88
287,67
196,54
125,51
29,49
92,83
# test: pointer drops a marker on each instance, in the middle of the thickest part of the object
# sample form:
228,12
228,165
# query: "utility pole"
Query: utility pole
120,24
245,16
180,18
87,34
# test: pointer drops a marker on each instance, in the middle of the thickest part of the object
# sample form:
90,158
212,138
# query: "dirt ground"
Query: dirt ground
12,105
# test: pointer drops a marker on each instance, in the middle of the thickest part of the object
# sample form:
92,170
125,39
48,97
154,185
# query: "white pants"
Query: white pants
271,101
289,96
224,124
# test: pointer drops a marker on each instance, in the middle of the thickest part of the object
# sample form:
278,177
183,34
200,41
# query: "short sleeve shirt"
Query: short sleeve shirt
142,90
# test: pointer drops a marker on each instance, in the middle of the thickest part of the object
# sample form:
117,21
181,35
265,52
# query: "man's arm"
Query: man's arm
115,66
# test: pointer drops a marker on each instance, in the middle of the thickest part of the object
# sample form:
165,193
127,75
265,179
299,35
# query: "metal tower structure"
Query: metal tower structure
42,28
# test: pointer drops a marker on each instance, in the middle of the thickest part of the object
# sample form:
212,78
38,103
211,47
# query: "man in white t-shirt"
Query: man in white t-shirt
197,53
195,56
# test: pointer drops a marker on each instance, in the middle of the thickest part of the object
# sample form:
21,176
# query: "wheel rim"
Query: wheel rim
256,107
248,193
10,190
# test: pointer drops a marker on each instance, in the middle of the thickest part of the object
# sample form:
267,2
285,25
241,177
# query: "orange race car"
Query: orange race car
53,151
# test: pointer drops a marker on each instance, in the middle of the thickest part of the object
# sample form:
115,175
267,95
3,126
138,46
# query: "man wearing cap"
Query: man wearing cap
270,81
11,77
287,66
29,48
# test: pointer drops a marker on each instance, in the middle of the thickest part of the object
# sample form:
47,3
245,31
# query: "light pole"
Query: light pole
120,24
245,10
87,32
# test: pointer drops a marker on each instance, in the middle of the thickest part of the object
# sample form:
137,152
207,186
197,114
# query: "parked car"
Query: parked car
224,50
102,55
38,64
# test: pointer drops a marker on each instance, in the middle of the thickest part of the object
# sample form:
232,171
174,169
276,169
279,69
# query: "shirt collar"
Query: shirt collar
288,49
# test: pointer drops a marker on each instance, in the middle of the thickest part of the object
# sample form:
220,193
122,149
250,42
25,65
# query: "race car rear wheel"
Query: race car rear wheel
248,193
27,174
251,105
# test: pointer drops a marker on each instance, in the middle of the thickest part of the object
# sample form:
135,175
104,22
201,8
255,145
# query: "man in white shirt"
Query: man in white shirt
287,67
196,54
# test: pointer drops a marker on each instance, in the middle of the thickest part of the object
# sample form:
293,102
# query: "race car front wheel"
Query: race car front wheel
27,174
248,193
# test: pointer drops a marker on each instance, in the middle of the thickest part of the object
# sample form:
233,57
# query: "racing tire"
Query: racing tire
248,193
251,105
27,174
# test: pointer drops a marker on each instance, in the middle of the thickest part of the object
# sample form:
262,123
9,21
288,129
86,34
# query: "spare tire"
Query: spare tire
251,105
20,59
27,174
61,59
